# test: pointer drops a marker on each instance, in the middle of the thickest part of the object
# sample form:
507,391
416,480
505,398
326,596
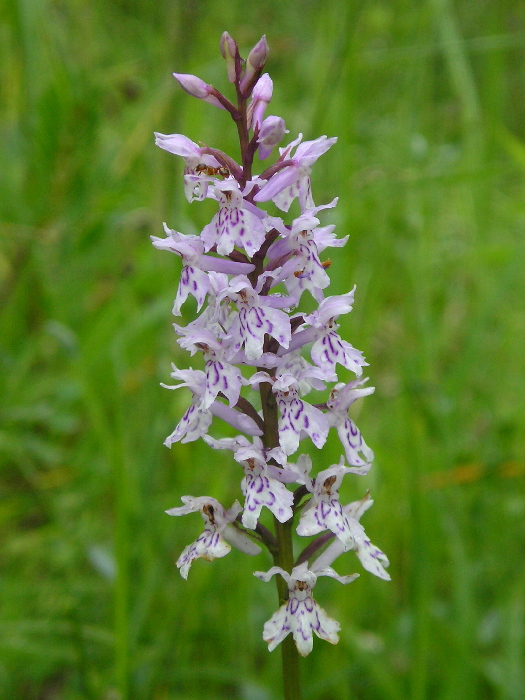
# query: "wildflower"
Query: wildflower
260,489
301,614
329,348
324,511
196,161
297,416
218,534
235,224
198,417
370,556
294,180
256,317
342,397
193,278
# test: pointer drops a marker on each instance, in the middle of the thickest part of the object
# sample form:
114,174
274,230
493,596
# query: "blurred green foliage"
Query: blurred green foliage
427,101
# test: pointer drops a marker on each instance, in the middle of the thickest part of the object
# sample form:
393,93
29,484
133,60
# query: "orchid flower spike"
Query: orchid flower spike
263,352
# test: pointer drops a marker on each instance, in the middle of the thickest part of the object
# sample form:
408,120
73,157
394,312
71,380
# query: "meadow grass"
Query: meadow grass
427,101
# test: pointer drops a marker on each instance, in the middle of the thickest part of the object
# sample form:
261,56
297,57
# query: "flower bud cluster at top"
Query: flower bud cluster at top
248,272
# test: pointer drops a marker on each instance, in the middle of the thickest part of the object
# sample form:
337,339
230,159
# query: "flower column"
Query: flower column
248,271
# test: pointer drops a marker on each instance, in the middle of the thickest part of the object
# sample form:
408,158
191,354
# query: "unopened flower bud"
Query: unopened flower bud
263,89
229,51
271,132
261,96
197,88
255,61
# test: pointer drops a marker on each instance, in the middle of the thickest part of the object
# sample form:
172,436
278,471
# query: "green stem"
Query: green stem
289,653
283,557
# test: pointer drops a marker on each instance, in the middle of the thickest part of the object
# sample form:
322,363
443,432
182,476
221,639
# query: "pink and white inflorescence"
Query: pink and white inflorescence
262,355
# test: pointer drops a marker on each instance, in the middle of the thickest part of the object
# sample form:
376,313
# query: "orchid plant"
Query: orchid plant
248,271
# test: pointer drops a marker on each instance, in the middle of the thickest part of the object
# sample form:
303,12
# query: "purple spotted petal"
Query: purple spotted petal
251,325
192,281
261,490
301,614
302,618
327,514
354,444
193,425
223,377
308,273
233,225
370,556
324,511
209,545
296,416
330,349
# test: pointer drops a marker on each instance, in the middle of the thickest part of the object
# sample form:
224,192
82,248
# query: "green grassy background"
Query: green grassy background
427,101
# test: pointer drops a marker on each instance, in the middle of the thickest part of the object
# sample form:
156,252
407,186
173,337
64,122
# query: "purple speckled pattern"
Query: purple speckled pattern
254,319
301,615
264,334
324,511
193,425
261,490
210,544
233,225
330,349
296,416
354,445
222,377
192,281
